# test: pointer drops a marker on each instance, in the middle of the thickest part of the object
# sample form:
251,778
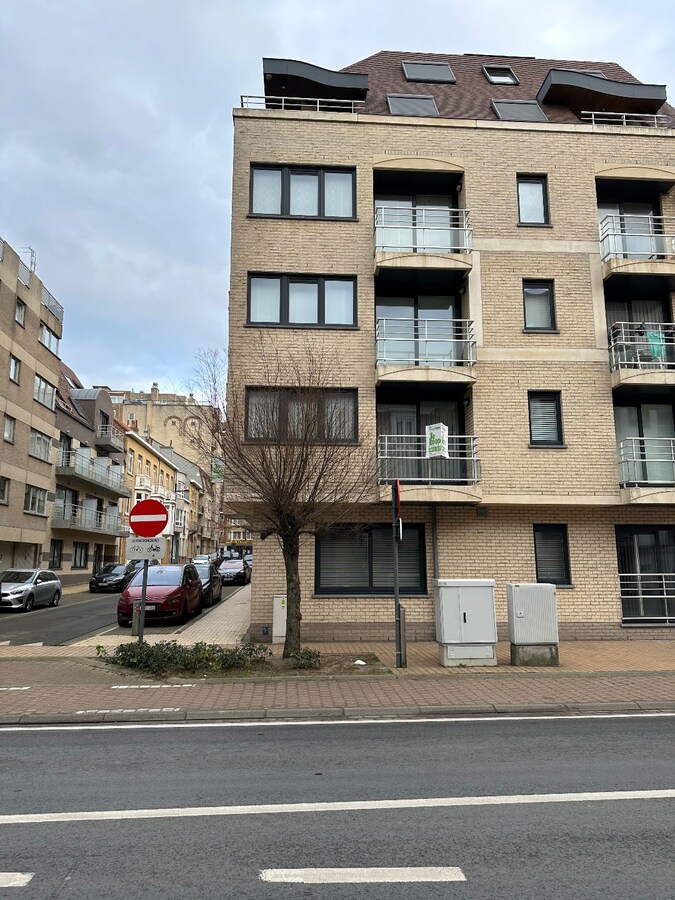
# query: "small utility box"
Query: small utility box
533,624
466,625
279,619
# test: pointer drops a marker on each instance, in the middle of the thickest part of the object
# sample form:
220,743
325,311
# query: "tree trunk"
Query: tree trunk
290,545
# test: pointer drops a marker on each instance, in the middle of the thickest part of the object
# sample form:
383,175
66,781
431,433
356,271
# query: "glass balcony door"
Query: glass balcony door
417,223
404,425
645,437
420,331
646,561
634,232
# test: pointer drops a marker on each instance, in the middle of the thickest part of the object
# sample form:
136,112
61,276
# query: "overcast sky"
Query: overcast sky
116,136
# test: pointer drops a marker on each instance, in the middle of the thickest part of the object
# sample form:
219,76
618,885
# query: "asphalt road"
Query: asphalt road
618,848
77,615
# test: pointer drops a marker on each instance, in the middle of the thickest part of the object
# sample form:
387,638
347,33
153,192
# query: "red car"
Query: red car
174,593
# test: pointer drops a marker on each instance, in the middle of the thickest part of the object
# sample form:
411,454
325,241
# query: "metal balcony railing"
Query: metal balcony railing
109,476
52,304
24,273
422,229
67,515
648,598
425,342
313,104
404,457
637,237
647,120
647,461
110,435
641,345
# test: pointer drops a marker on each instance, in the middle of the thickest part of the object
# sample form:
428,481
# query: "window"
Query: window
20,312
519,111
440,73
646,564
40,445
55,554
14,369
551,554
545,418
306,192
117,398
412,105
49,339
130,462
4,490
500,75
312,414
539,306
532,200
9,428
300,300
44,392
357,560
35,500
80,555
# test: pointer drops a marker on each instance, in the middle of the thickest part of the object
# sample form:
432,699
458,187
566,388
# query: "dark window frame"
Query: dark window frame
285,202
286,393
566,581
428,62
548,283
55,553
4,495
557,397
77,563
502,68
370,590
14,363
285,280
413,97
531,103
20,313
531,178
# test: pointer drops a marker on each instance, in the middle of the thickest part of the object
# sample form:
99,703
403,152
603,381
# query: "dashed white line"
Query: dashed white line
15,879
368,875
140,687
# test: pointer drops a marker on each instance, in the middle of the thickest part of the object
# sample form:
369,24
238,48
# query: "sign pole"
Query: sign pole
396,536
144,591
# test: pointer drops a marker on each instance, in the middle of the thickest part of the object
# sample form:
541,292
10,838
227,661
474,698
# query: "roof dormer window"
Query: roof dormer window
435,72
500,75
412,105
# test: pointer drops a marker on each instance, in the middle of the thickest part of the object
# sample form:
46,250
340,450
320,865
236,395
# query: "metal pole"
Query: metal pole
397,598
144,591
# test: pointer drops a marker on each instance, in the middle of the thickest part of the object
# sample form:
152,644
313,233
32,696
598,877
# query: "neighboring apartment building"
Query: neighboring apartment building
201,515
487,243
87,520
31,322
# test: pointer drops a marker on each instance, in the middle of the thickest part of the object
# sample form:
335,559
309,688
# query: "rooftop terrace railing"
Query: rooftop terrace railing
625,119
311,104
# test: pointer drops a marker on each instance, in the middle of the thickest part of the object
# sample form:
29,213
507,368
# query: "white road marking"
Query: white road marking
177,812
35,644
14,688
369,875
140,687
84,712
15,879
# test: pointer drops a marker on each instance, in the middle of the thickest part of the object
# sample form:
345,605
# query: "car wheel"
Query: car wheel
56,598
29,604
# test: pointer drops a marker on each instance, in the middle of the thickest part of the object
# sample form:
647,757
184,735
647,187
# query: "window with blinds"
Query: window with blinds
320,415
551,554
359,560
545,418
538,306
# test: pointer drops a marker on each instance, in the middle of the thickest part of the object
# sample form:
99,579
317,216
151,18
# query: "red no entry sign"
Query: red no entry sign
148,518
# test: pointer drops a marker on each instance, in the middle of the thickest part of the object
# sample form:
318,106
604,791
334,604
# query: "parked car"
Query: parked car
22,589
212,586
248,557
138,563
201,558
173,594
113,577
235,571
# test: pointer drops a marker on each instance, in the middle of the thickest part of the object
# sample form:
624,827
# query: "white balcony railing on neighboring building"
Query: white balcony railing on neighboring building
66,515
52,304
637,237
625,119
110,435
93,470
422,229
404,457
425,342
647,461
312,104
641,345
648,597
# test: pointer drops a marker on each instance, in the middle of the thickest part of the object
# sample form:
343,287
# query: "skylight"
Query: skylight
418,70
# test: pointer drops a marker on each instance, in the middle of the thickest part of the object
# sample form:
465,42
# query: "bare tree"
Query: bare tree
293,459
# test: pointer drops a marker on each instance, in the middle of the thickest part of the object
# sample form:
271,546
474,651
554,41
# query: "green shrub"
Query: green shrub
167,657
305,658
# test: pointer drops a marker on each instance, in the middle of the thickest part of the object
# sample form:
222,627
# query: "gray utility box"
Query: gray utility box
466,625
533,624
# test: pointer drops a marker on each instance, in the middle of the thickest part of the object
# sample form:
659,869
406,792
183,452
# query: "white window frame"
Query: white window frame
40,445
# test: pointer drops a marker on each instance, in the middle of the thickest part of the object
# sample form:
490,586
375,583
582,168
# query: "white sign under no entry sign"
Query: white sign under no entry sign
146,548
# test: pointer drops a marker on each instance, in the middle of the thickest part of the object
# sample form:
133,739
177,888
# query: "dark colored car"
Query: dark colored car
235,571
113,577
212,586
174,593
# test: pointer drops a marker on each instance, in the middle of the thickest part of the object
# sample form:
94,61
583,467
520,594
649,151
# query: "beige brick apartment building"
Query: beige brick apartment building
487,243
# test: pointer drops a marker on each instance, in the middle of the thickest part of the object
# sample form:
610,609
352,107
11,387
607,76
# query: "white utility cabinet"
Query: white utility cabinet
533,624
466,624
279,619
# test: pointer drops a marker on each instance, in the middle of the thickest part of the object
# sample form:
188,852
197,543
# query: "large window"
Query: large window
40,445
301,300
551,554
538,305
35,500
80,555
310,414
305,192
359,560
48,338
532,200
545,418
44,392
646,562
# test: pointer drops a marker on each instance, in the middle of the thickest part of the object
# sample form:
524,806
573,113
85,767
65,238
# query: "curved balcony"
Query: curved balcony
425,350
437,480
422,237
638,245
642,353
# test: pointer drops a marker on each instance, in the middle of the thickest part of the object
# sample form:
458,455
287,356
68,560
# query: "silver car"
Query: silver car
23,589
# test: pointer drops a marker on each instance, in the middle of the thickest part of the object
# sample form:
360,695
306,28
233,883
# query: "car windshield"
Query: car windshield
204,571
13,577
112,569
158,576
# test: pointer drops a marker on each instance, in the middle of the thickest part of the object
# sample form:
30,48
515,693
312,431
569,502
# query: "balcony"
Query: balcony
647,470
425,350
625,119
422,237
306,104
92,472
157,491
648,598
52,304
110,439
84,518
638,245
438,480
642,353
